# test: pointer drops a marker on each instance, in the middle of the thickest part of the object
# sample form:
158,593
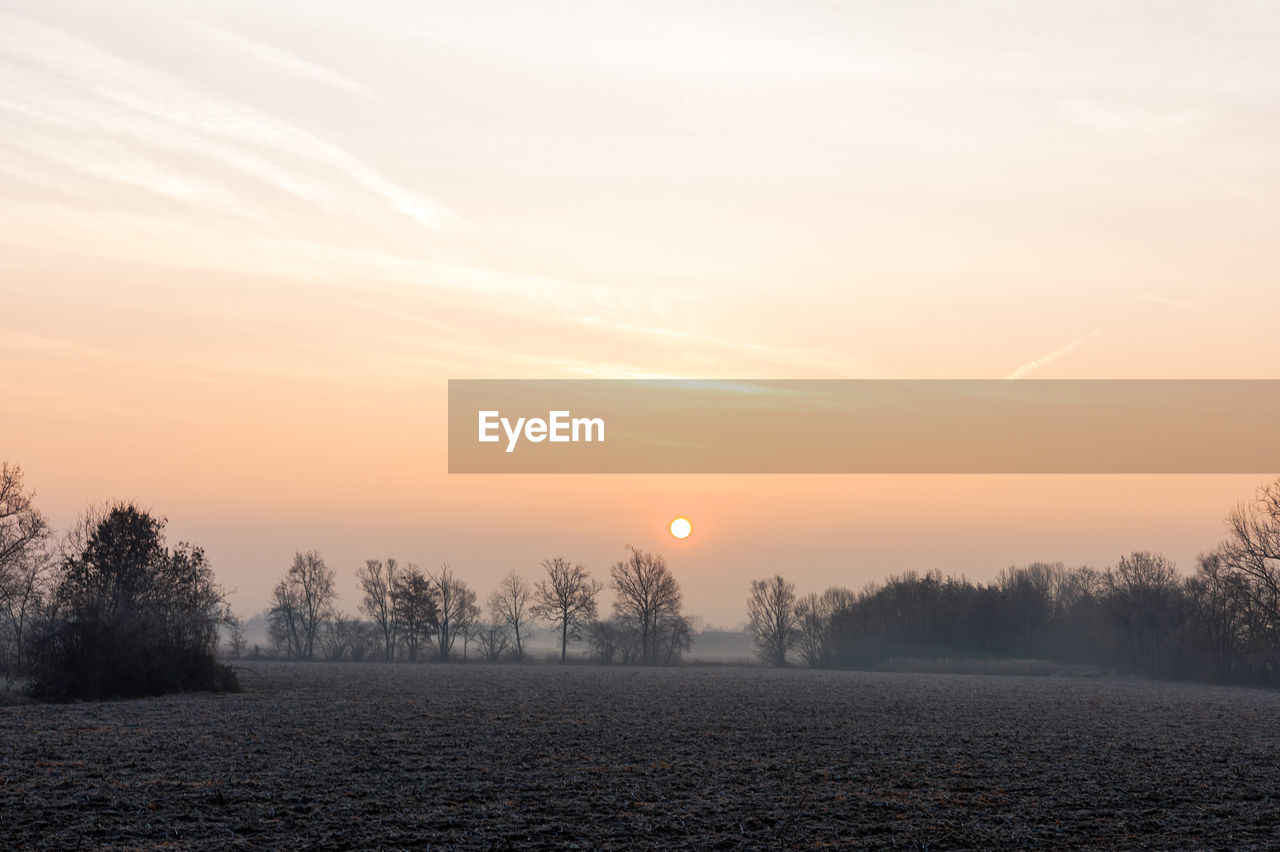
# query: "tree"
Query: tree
1252,548
812,625
1142,592
132,617
469,623
566,599
25,562
235,634
646,594
509,604
771,613
603,639
415,609
492,640
673,637
1222,601
284,620
613,640
365,640
815,623
456,609
378,582
303,600
341,636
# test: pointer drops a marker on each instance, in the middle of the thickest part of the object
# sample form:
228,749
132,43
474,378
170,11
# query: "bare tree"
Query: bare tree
646,593
1252,548
235,634
604,640
456,609
24,589
23,529
469,622
25,562
1142,593
378,582
673,638
340,636
813,625
566,598
303,600
492,640
1222,603
509,604
771,613
284,620
415,609
614,640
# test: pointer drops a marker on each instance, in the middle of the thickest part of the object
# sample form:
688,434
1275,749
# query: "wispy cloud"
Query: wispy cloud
1165,300
274,58
111,92
1045,360
1129,118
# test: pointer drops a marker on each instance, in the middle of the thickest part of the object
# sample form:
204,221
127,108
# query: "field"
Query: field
476,756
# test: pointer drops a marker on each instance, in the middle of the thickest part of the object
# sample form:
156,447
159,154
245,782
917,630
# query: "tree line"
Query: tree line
110,608
408,613
1221,622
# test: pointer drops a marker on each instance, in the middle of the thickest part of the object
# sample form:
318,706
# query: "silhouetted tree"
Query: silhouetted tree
566,598
646,594
301,602
456,609
378,583
493,640
614,640
416,611
341,636
510,604
603,640
1252,549
673,637
235,634
1220,598
814,623
470,621
1142,593
771,615
25,565
132,617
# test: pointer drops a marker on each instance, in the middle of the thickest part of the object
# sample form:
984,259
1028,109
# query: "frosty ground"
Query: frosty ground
482,756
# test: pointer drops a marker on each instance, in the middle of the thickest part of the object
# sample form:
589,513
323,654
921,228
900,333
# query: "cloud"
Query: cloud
112,93
275,58
1165,300
1115,120
1045,360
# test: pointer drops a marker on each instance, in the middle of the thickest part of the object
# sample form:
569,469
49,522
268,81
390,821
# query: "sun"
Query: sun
680,528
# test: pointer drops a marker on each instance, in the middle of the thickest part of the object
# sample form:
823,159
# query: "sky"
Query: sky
244,246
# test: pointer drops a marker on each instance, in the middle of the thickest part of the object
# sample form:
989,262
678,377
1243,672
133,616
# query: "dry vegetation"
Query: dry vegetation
480,756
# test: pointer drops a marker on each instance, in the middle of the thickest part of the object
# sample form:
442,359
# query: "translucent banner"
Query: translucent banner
864,426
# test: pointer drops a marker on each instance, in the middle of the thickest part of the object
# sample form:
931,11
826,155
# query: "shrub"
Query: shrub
131,617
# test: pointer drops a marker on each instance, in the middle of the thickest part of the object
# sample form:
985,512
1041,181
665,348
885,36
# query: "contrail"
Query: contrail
1044,360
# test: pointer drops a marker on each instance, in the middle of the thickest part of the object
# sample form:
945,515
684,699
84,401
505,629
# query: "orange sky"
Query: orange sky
242,249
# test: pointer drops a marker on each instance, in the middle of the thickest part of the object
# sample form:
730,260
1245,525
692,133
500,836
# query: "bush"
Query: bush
131,617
